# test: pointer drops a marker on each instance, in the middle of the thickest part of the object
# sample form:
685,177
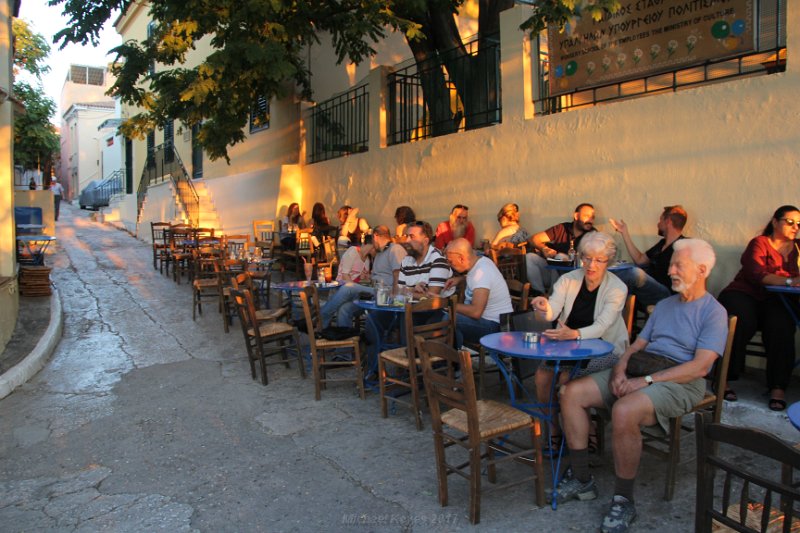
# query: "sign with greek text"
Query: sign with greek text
646,37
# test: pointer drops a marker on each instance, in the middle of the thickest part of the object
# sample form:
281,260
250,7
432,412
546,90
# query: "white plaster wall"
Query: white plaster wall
728,152
242,198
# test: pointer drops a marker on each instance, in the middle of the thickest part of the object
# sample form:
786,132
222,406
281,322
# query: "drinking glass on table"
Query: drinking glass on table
309,269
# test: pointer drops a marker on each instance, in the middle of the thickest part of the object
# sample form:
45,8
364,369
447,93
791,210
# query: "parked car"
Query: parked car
95,195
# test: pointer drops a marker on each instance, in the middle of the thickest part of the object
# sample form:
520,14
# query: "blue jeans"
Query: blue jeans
647,290
540,277
341,304
471,330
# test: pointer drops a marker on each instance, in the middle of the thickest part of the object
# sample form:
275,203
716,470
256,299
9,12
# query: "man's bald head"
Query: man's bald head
460,255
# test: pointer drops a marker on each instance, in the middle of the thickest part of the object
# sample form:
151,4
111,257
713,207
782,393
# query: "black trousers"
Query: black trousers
777,330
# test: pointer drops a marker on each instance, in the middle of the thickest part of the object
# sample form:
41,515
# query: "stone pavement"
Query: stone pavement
146,421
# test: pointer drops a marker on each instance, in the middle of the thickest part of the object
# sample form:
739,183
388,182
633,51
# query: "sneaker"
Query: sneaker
569,488
620,515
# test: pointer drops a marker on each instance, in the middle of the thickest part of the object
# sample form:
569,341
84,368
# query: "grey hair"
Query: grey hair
599,243
699,250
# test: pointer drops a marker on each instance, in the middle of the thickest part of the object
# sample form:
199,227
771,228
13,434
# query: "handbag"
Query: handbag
645,363
338,333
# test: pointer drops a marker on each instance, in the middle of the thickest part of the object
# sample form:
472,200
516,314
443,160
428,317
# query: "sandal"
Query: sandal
777,405
730,395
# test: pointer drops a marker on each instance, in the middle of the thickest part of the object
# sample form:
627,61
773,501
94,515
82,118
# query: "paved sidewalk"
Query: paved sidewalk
144,420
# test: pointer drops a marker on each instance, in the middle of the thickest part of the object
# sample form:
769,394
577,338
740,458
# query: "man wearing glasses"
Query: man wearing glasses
651,282
456,227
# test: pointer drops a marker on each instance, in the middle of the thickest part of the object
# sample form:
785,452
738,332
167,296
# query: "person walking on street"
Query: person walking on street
32,184
58,192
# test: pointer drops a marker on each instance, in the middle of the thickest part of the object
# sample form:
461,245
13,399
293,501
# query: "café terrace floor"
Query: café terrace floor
144,420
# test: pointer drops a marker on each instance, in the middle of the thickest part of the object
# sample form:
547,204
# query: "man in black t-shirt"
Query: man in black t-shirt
556,240
651,282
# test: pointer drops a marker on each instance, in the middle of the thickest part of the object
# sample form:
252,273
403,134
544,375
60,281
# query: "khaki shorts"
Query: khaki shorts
669,399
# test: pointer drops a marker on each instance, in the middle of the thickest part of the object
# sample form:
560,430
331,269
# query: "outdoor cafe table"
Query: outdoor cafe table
794,414
31,248
511,344
294,287
784,293
383,343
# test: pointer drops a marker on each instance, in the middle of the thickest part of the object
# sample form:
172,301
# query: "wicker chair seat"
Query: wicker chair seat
344,343
494,418
399,357
271,328
270,314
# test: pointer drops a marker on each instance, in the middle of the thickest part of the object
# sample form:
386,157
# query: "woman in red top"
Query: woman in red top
770,259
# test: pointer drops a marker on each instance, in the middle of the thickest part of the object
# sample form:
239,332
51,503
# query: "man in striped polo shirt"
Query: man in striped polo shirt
424,268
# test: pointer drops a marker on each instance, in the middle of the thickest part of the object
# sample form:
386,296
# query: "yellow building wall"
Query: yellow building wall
728,152
9,295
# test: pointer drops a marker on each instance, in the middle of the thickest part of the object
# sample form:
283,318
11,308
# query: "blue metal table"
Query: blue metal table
511,344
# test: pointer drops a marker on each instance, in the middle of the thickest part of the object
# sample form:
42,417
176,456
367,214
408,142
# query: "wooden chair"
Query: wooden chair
404,364
668,447
481,427
258,335
628,314
236,245
264,236
323,359
179,253
245,281
304,252
511,263
520,294
206,282
159,233
750,477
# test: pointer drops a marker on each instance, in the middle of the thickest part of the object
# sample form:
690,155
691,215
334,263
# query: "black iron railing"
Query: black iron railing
164,163
339,126
453,91
769,58
112,186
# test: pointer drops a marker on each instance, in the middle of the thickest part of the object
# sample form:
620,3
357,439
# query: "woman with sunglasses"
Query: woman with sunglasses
770,259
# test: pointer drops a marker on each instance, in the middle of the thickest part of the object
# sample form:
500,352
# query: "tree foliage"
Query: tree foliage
35,137
258,50
30,49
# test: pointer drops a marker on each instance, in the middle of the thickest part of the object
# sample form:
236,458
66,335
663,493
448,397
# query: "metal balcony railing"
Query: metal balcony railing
164,163
453,91
112,186
339,126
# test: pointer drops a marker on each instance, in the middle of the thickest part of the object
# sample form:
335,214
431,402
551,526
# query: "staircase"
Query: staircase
192,202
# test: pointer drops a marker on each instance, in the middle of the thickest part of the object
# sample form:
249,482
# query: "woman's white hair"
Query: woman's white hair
597,242
699,250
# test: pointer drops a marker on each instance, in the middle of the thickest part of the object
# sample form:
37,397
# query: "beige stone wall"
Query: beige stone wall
9,298
728,152
43,200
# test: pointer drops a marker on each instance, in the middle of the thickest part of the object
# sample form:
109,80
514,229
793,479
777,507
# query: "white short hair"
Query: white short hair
699,250
598,242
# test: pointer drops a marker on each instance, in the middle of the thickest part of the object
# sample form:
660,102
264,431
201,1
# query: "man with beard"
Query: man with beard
683,338
456,227
424,270
556,240
651,282
385,269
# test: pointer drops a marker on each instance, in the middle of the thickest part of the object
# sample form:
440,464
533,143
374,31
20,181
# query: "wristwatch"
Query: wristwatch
788,282
648,380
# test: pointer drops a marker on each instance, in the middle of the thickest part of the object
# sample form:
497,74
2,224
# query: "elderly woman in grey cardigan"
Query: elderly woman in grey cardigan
586,304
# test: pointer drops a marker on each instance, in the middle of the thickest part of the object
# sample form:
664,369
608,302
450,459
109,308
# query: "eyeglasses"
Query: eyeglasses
459,206
594,260
791,221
